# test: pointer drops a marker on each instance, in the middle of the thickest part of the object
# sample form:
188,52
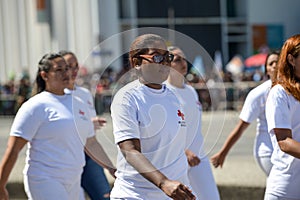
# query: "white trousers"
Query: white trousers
203,182
46,188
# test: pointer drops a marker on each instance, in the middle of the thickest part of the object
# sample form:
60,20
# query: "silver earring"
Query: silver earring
137,67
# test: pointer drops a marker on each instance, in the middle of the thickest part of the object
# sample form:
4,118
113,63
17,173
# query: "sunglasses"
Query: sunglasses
157,58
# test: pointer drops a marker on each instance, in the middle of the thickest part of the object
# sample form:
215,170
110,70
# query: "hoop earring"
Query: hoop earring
137,67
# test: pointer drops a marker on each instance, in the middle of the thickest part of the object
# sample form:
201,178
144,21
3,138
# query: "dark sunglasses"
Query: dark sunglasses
157,58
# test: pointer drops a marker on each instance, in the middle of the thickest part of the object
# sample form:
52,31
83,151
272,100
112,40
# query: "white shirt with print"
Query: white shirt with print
156,118
57,128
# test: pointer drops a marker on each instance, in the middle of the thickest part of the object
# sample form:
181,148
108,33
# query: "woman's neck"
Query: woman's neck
177,81
150,85
154,86
56,92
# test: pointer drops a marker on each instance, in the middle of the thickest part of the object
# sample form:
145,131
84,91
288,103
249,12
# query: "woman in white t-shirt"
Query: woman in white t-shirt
57,127
150,129
200,173
93,178
254,109
282,112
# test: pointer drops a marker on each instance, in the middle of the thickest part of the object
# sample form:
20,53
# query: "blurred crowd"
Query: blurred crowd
14,93
102,83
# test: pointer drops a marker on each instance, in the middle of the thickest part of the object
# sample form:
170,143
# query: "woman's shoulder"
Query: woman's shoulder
278,89
82,89
278,92
127,91
260,91
34,103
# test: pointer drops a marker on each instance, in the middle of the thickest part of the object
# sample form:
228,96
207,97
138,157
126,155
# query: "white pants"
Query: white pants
203,182
45,188
273,197
264,163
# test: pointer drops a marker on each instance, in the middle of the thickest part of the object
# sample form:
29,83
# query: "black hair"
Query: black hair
66,52
44,64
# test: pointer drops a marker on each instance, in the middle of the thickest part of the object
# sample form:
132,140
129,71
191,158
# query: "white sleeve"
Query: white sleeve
88,98
278,111
91,105
27,121
124,118
251,108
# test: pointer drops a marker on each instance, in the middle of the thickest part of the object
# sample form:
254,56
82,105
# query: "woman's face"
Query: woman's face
271,65
73,68
150,71
73,65
179,62
58,77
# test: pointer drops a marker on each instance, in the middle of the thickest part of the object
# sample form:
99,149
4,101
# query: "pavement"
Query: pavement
240,177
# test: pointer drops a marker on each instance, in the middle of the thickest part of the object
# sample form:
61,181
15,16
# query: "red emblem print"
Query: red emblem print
81,112
180,114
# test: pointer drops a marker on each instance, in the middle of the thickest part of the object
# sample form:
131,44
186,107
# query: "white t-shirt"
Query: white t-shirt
282,111
57,128
157,120
254,108
86,96
193,109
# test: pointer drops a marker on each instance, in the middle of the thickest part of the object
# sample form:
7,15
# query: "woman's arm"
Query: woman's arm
219,158
14,146
94,149
131,150
286,143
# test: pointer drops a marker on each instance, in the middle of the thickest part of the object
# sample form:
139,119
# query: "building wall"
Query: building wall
77,24
285,12
23,38
27,33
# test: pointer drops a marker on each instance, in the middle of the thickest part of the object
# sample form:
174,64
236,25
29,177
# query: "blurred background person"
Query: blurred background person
199,173
93,179
24,91
254,109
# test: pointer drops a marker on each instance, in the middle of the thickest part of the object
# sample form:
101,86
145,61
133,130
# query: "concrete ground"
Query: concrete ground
240,177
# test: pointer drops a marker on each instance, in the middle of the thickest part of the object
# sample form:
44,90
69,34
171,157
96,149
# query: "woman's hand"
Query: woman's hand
217,159
112,171
176,190
98,122
192,158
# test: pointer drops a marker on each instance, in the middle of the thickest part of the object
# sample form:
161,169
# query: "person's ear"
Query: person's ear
291,60
137,61
44,75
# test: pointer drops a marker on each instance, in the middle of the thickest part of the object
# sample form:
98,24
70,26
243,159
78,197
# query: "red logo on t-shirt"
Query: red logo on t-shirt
81,112
180,114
